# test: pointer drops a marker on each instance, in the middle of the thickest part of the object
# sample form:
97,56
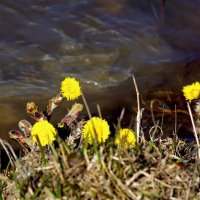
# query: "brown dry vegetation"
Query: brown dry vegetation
151,170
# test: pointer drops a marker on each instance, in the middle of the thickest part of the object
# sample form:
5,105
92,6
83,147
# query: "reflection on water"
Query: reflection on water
101,43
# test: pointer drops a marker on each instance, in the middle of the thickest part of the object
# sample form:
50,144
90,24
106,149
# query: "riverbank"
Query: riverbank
81,158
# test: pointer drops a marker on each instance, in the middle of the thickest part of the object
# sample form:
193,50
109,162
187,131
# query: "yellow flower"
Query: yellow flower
125,138
70,88
96,127
191,91
43,132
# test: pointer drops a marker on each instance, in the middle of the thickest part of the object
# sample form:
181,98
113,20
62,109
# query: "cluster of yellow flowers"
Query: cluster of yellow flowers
192,91
95,129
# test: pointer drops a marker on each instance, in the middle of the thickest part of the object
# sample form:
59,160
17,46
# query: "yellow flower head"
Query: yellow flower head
70,88
96,127
43,132
125,138
191,91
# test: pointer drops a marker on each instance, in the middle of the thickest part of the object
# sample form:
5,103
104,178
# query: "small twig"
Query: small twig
167,185
175,125
58,169
86,105
135,176
13,157
154,129
99,111
50,167
121,115
64,157
152,112
86,156
194,129
11,150
175,131
162,119
138,111
119,120
118,127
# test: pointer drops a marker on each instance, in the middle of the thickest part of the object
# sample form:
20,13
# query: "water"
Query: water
101,43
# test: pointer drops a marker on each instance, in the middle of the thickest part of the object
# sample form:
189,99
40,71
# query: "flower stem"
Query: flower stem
195,131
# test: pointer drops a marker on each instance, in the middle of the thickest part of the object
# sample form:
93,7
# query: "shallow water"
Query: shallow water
101,43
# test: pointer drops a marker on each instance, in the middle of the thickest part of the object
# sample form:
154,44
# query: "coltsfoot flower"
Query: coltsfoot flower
97,128
125,138
192,91
70,88
43,132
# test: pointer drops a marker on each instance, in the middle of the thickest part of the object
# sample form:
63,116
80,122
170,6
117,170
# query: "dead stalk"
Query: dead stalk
138,110
99,111
86,105
12,156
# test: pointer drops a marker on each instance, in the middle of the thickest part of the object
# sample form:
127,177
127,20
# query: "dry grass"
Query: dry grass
156,168
151,170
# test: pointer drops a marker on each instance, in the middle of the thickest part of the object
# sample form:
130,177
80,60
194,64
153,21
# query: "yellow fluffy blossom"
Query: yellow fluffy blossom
43,132
191,91
125,138
70,88
96,127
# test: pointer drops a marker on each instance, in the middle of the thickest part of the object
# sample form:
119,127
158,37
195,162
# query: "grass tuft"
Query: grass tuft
148,171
